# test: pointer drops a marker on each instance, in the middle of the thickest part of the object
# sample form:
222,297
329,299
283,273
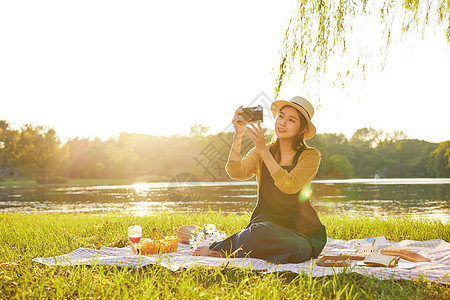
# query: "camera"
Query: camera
252,114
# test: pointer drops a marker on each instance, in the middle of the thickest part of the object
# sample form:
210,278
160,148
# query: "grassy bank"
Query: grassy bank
36,235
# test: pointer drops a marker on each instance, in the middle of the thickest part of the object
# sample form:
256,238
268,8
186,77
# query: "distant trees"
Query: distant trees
8,144
365,136
338,166
370,152
88,158
198,130
36,152
405,157
132,155
439,162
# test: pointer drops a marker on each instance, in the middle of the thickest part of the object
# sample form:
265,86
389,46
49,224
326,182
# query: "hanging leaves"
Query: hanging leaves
352,36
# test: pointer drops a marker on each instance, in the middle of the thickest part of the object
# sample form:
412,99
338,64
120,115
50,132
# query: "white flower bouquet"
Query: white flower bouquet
206,236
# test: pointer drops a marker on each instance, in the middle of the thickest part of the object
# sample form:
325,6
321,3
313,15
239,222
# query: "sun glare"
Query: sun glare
305,194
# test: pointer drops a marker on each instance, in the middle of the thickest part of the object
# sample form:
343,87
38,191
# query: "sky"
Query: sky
98,68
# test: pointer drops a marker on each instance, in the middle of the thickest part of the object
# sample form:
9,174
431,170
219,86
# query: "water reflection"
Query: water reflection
422,199
425,198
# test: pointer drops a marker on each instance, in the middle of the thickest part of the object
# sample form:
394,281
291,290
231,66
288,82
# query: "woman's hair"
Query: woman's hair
298,142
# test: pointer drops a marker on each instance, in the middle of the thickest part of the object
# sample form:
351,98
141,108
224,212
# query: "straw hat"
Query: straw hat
303,106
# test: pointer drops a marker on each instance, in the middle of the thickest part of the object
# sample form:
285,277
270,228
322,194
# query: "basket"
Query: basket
148,246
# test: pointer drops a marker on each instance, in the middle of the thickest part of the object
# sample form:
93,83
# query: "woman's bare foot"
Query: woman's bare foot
202,251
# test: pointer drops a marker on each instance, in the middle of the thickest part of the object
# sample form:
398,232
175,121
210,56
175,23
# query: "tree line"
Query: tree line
36,152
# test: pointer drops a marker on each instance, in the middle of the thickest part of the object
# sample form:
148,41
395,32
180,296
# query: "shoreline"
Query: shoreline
76,182
443,220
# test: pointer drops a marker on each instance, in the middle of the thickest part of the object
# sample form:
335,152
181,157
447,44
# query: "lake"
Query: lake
418,198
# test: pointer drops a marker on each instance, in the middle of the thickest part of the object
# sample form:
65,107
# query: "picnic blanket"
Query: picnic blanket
437,270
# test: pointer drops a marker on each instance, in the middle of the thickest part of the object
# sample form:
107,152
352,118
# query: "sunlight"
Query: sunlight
140,186
143,209
305,194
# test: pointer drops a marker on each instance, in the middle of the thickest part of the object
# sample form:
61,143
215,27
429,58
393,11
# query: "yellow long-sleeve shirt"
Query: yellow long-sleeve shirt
288,182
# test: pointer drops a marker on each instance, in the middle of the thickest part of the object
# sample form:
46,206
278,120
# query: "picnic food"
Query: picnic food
369,248
380,260
156,235
353,256
405,254
333,261
158,244
185,232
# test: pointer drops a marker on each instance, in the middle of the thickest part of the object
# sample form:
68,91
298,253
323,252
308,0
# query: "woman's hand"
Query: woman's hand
239,121
257,136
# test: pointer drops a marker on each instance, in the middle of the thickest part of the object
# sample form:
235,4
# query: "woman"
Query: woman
284,228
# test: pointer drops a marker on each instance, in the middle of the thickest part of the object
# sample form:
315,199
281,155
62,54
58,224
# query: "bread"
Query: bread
333,261
405,254
380,260
353,256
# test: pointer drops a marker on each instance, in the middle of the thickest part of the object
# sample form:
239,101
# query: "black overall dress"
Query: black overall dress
282,229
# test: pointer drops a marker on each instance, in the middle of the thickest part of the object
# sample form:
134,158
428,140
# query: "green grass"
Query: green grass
17,182
26,236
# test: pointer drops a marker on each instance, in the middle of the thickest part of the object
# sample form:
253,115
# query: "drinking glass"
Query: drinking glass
134,234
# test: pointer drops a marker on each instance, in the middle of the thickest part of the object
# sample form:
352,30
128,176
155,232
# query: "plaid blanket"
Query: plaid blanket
437,270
